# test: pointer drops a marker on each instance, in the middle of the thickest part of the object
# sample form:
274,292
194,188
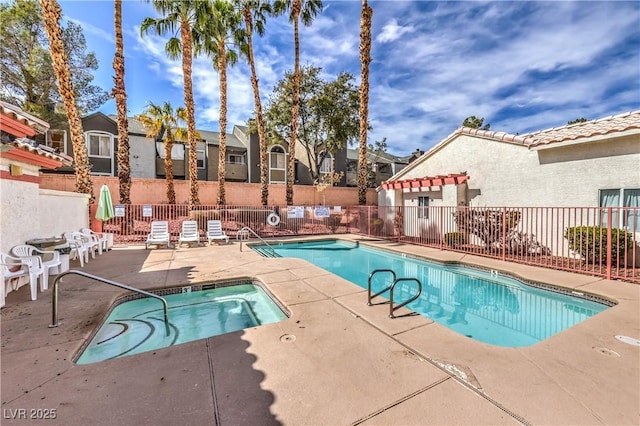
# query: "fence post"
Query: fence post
441,227
368,220
504,233
609,236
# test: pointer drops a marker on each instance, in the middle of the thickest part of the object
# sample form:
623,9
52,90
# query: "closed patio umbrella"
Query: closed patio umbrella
105,205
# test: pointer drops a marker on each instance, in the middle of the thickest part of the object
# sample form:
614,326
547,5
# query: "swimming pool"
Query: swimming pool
136,324
483,305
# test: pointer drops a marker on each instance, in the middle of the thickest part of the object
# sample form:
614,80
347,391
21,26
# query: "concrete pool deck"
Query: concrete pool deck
335,361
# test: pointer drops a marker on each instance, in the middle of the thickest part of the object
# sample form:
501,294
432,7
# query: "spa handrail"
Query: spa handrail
246,228
54,304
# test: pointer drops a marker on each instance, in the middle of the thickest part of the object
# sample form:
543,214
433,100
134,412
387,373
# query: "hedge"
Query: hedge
591,243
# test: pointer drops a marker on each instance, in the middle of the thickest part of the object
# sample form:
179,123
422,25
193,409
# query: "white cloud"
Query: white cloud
94,30
392,31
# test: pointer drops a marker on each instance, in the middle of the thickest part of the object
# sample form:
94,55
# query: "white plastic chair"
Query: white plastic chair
35,270
97,236
12,270
24,250
159,234
91,242
78,246
190,233
215,232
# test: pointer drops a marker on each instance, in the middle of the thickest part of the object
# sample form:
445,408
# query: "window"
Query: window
235,158
200,158
57,139
616,198
423,207
99,144
277,165
326,166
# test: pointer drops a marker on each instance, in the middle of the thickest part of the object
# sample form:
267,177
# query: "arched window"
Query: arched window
277,164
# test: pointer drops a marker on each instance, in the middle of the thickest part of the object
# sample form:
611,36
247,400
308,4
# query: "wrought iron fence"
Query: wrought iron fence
591,240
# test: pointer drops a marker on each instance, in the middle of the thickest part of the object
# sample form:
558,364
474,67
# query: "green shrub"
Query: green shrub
333,221
591,243
454,239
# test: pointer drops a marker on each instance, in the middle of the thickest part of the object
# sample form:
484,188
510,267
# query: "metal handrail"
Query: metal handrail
246,228
393,308
375,271
54,307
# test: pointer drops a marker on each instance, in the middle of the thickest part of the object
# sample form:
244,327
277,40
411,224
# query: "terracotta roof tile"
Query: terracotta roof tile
571,132
587,129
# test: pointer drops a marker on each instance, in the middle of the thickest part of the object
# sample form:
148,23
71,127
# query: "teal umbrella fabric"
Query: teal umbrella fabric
105,205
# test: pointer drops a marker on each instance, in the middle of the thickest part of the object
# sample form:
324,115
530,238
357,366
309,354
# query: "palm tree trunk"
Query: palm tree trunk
296,101
51,14
168,167
264,183
187,57
222,147
365,60
120,94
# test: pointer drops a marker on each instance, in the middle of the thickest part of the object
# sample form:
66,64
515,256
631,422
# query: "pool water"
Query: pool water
138,325
482,305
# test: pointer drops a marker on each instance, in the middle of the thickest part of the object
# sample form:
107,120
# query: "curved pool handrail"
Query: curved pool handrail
375,271
406,302
248,229
54,300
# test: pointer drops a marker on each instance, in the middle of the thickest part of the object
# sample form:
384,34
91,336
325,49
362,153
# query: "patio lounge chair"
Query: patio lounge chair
190,233
52,264
159,234
215,232
34,270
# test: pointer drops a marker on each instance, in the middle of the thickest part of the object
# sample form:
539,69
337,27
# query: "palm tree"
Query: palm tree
305,10
159,118
213,34
254,12
120,94
365,60
51,14
180,14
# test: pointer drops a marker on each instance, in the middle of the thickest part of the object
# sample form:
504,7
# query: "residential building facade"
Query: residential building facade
242,161
590,164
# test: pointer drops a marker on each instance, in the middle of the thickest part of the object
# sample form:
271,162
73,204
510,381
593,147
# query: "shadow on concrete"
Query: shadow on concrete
240,399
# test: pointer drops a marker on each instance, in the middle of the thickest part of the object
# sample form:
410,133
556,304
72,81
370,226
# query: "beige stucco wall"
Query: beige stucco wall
504,174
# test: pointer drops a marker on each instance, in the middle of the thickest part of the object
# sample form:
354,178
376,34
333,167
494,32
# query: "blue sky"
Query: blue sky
523,66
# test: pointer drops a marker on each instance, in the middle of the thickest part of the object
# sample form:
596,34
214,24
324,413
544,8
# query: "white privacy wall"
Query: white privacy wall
63,211
28,212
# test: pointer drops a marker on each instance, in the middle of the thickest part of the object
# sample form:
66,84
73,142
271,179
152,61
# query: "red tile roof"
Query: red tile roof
614,124
572,132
